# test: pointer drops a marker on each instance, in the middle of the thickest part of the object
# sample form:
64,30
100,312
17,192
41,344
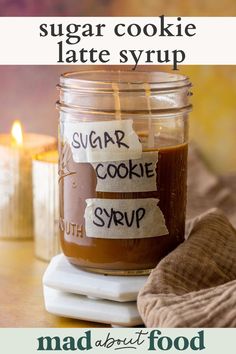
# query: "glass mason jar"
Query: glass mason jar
123,168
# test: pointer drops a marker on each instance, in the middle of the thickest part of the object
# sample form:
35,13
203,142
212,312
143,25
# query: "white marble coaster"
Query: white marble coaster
80,307
62,275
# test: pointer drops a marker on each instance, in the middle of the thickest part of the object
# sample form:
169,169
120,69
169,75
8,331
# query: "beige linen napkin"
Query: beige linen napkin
195,285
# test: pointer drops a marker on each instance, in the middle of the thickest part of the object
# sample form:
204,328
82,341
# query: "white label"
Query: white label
103,141
137,175
124,218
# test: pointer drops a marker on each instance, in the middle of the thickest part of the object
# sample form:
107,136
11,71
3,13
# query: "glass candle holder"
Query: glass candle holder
123,168
16,201
46,205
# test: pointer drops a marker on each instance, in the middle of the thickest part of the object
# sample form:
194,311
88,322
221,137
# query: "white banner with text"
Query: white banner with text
117,40
113,340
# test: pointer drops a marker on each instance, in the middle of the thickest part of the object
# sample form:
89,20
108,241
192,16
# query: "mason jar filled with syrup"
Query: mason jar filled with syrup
123,143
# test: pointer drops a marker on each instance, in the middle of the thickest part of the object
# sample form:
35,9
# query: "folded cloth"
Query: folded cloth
195,286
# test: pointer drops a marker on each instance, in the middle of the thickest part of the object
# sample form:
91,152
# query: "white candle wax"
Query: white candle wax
16,211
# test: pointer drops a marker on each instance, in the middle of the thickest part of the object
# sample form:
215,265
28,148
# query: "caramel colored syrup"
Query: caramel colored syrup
150,130
122,256
78,182
116,94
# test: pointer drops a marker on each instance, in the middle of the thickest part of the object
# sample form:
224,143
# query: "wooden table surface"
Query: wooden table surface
21,296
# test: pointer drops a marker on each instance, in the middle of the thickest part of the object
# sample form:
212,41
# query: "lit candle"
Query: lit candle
16,152
46,205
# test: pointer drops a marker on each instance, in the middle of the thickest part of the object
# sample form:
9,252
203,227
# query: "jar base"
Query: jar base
118,272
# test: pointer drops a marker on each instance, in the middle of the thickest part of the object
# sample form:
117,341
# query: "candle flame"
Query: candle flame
16,133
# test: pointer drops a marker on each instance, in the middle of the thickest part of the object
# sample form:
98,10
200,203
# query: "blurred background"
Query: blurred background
29,93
